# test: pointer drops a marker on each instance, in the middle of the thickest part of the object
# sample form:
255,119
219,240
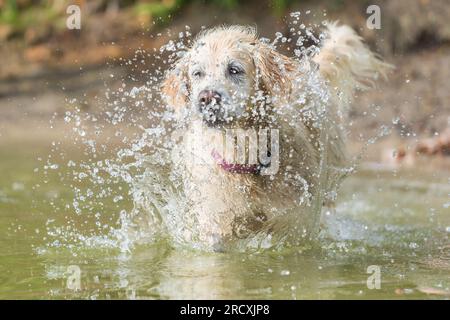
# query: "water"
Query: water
98,213
395,220
130,147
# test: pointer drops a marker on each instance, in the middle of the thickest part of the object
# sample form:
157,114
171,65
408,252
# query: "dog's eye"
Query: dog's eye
197,74
234,70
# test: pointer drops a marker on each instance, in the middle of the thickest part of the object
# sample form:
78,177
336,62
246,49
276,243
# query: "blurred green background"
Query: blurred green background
393,212
40,55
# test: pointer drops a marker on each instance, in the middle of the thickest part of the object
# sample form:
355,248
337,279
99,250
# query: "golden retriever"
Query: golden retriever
262,146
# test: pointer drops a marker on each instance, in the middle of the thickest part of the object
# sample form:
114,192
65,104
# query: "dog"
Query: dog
293,109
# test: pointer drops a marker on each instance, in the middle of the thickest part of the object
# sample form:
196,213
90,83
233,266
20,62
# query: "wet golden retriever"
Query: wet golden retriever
262,134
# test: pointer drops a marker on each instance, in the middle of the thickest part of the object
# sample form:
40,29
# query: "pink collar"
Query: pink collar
234,168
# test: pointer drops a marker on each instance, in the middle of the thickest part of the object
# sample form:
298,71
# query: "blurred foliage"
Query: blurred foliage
23,13
280,6
9,13
47,17
158,10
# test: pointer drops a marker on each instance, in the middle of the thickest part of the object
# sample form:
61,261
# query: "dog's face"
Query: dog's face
222,82
228,78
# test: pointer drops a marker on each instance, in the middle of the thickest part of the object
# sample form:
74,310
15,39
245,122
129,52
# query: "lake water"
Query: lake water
398,222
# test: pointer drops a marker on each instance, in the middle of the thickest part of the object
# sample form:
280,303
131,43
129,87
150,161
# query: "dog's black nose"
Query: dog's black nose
207,97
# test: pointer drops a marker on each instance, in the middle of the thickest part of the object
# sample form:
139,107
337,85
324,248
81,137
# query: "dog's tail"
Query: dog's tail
347,63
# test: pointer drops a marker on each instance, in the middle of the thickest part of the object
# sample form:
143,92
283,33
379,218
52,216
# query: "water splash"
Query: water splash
125,185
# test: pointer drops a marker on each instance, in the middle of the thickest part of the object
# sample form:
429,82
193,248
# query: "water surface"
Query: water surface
396,220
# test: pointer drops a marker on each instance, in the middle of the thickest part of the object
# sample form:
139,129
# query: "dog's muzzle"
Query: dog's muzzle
210,105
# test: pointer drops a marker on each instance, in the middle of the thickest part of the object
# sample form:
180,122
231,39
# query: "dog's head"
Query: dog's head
228,76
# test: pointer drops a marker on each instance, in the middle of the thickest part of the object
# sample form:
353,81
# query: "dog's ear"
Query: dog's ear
175,87
273,70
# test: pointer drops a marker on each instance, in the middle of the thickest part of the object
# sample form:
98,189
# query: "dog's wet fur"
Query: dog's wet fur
231,79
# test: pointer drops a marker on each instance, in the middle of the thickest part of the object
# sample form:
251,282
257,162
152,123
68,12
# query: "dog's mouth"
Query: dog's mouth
234,167
215,114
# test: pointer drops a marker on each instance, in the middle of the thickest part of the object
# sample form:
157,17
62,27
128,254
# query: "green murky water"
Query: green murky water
397,221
